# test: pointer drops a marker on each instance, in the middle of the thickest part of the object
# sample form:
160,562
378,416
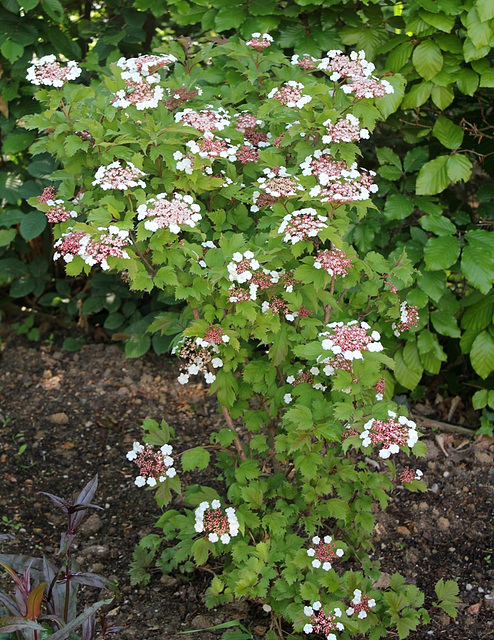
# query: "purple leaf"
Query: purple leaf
85,496
88,627
64,633
14,623
91,580
9,604
61,503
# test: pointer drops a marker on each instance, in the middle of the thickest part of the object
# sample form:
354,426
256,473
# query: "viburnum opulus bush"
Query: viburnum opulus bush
238,198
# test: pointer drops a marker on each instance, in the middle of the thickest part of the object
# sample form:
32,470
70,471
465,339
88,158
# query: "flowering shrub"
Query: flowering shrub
241,205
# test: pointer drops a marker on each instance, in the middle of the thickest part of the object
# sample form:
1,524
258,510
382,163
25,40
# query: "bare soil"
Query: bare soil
66,416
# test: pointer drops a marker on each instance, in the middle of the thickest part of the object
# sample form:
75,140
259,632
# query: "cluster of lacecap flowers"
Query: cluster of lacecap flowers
259,41
344,130
115,176
169,212
361,604
391,434
198,356
277,184
47,71
334,261
323,552
154,466
409,475
358,71
142,89
93,250
321,622
409,318
290,95
58,212
218,525
347,342
302,224
338,182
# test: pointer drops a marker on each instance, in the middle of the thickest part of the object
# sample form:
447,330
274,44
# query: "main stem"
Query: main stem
236,441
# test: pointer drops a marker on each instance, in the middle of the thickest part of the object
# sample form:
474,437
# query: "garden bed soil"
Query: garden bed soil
65,417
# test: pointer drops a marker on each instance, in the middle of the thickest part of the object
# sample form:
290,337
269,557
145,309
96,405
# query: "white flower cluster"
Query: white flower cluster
210,519
184,162
206,120
343,134
169,213
311,611
218,150
366,604
154,467
241,267
348,348
392,433
134,68
324,563
47,71
290,94
302,224
114,176
262,36
140,95
365,67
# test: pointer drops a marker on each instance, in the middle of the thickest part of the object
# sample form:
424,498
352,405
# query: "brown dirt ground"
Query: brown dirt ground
78,414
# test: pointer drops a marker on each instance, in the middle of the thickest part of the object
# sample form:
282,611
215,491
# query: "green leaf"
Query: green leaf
447,594
482,354
445,323
431,352
230,17
478,31
398,207
441,253
449,134
137,346
441,21
433,283
417,95
54,9
476,260
6,236
398,57
440,225
32,224
428,59
72,344
415,158
197,458
406,376
12,50
433,177
467,81
389,103
487,78
17,141
442,97
459,168
485,9
470,51
480,399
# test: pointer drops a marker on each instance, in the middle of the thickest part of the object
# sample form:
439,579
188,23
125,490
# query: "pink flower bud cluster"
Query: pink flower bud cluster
361,605
306,376
302,224
206,120
323,552
49,193
409,475
141,93
219,525
171,213
409,317
57,212
290,95
213,147
93,250
259,41
333,261
198,356
214,335
134,68
47,71
337,181
345,130
347,342
356,69
277,185
380,388
393,433
114,176
323,623
154,466
307,62
175,98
